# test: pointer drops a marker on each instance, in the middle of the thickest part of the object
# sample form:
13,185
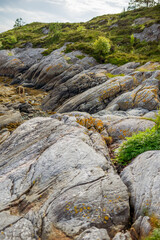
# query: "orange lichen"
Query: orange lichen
48,68
91,122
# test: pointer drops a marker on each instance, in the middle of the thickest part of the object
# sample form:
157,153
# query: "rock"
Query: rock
18,60
45,30
21,229
54,174
144,96
97,98
57,68
122,236
126,127
149,66
25,107
126,68
142,179
10,117
94,233
137,111
149,34
141,228
4,134
140,21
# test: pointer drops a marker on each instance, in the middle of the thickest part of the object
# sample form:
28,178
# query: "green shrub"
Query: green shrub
12,39
102,47
137,144
120,58
80,56
81,29
155,235
1,45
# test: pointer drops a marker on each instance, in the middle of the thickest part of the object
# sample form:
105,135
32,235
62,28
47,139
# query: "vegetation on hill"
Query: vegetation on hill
118,28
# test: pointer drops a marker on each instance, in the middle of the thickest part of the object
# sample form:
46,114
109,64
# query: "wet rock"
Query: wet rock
53,174
142,179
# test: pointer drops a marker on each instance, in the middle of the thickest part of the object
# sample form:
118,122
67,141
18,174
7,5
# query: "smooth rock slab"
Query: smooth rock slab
126,127
53,174
142,177
94,233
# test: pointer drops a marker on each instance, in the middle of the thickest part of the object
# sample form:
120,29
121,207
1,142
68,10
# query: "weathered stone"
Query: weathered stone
94,233
141,228
140,21
126,68
19,59
97,98
149,34
145,96
123,236
142,179
54,173
10,117
126,127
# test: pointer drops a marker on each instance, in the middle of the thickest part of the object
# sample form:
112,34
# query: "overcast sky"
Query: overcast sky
55,10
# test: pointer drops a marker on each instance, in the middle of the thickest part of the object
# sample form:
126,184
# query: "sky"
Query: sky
55,10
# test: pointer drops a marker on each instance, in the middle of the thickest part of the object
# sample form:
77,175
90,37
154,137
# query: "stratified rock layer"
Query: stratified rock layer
55,174
142,177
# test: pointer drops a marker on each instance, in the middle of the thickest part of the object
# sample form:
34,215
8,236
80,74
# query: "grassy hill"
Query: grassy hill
117,27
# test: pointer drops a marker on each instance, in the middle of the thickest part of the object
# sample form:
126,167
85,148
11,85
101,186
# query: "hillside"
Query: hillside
117,27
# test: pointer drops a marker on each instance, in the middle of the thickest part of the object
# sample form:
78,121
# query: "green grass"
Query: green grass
155,235
83,36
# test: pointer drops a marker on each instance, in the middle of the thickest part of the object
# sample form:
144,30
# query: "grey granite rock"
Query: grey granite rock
10,116
93,234
123,236
149,34
142,178
53,173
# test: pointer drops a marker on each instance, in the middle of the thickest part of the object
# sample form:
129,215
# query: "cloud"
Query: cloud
100,6
56,10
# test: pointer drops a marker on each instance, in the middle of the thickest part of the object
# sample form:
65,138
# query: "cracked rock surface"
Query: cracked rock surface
53,176
142,177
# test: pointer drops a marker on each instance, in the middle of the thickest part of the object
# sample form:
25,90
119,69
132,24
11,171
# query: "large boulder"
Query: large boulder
56,176
142,177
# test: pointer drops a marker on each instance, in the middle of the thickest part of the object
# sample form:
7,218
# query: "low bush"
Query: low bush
139,143
102,47
155,235
120,58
